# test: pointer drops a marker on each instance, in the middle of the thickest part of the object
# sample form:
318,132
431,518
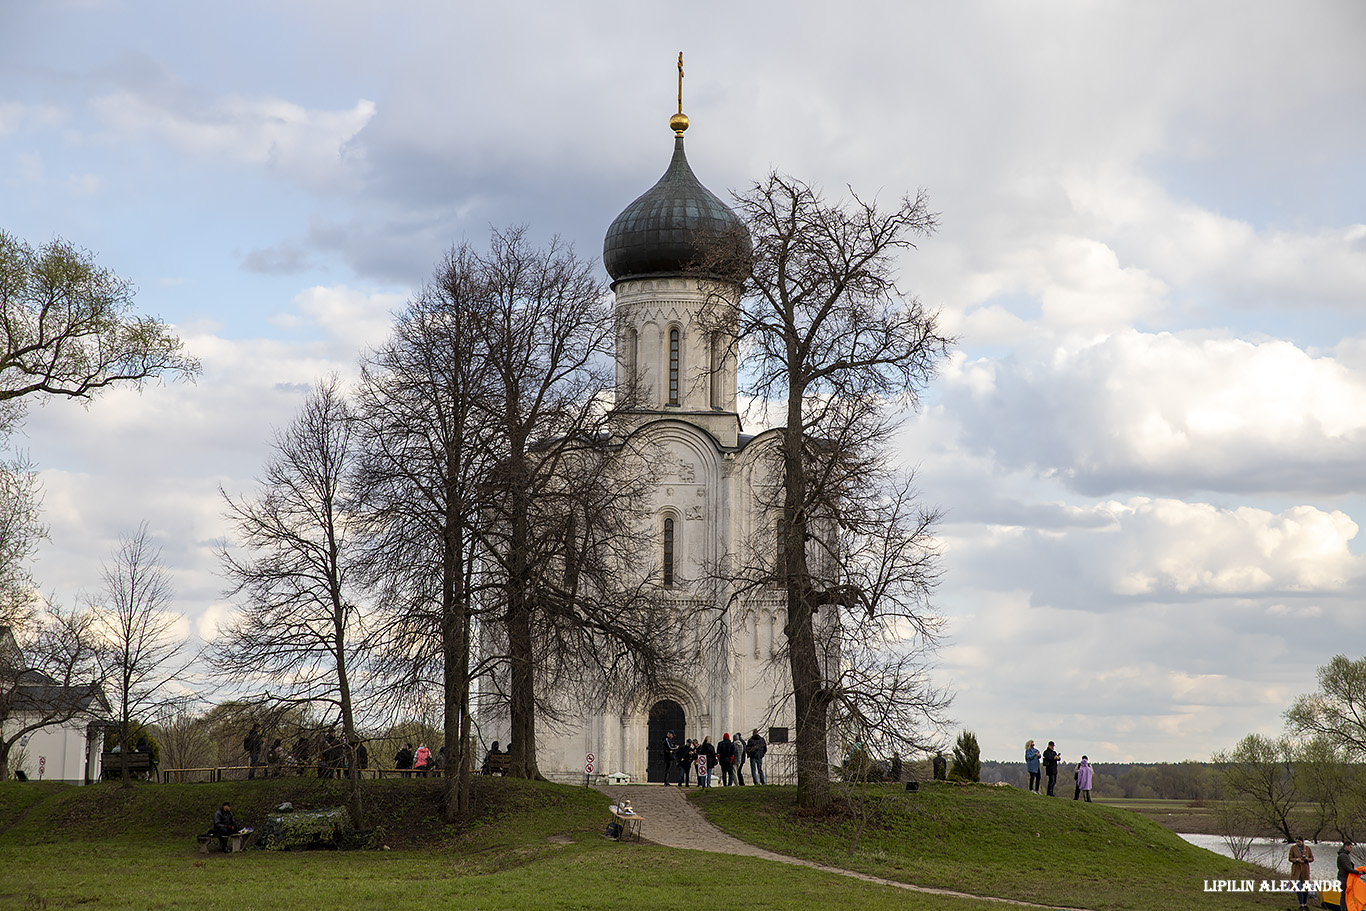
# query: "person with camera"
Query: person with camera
1051,758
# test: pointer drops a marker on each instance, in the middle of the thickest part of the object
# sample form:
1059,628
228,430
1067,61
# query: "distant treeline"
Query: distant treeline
1167,780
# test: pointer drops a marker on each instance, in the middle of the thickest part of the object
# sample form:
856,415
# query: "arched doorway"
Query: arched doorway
665,716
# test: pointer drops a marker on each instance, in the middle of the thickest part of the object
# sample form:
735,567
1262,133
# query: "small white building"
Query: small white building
62,726
704,507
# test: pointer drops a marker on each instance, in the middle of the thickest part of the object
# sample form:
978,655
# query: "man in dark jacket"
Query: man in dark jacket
686,756
224,825
1051,757
755,748
725,755
403,760
670,756
253,743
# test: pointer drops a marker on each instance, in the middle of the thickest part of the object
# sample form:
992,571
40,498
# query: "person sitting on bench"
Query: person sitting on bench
224,825
488,758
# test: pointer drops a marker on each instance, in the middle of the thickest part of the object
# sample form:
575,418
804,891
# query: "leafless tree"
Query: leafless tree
558,509
140,644
49,675
419,495
67,326
828,339
301,633
184,735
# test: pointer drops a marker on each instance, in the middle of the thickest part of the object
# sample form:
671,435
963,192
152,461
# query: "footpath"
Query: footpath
670,819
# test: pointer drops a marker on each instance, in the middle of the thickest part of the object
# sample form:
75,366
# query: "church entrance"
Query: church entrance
665,716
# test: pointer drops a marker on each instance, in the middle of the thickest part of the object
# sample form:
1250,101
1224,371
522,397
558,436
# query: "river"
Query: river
1268,852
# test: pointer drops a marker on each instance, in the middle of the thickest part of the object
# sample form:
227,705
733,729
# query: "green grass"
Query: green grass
584,875
59,852
536,846
994,841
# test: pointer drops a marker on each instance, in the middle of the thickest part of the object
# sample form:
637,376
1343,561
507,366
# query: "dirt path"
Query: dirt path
668,818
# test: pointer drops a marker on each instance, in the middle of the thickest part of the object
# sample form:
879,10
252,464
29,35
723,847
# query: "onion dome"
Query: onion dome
662,232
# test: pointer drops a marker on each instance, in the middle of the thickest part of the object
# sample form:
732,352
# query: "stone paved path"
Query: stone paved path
668,818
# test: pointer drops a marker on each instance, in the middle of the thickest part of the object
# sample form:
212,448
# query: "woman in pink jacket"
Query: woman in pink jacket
1083,779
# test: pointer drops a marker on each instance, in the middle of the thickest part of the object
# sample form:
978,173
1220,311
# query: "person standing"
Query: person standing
1051,758
1083,775
1032,765
275,759
670,756
253,744
687,757
739,741
706,761
1345,868
755,750
725,755
1301,856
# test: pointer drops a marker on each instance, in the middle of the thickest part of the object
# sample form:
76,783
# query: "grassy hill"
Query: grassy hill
539,846
991,840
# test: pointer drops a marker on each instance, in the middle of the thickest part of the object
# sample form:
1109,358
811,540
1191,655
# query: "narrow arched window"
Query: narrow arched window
717,359
668,551
674,347
632,359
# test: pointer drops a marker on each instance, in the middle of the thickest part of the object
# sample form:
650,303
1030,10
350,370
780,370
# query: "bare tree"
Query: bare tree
141,646
301,634
183,733
67,326
827,337
419,490
48,677
557,508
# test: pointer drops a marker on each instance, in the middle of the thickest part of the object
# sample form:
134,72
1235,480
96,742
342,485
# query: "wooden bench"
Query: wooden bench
497,764
235,840
138,763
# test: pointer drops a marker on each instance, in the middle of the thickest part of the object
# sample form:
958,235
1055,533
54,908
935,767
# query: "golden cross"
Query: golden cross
680,82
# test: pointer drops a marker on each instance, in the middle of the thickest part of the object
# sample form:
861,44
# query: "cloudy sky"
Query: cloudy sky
1150,443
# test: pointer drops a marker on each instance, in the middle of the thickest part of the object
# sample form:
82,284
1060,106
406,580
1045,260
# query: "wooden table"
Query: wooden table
630,825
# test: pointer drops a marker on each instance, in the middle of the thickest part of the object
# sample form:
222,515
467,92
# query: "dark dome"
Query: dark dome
659,232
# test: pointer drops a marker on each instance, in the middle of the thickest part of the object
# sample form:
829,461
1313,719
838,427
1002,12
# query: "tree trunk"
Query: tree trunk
521,643
455,633
811,697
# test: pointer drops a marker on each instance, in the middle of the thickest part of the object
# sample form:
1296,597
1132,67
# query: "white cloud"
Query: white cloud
1168,412
357,319
303,144
1185,548
1223,257
16,116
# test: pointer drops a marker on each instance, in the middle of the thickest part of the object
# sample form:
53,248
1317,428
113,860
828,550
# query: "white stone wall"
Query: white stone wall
60,750
720,497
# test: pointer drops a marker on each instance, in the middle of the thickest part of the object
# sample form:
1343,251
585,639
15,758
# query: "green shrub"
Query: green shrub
967,759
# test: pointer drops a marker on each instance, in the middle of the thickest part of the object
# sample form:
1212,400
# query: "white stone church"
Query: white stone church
703,506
